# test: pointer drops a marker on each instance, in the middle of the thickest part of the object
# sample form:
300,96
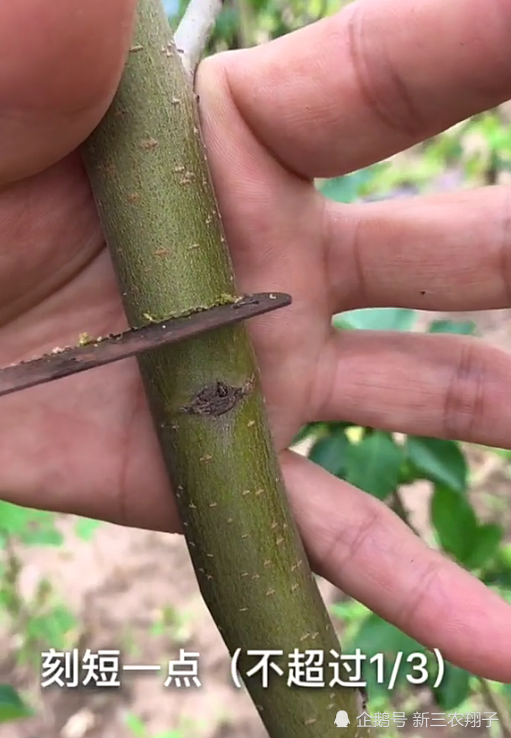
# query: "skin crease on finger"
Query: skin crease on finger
56,84
373,556
449,268
403,71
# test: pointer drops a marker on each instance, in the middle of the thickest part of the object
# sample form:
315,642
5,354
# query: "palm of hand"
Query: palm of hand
69,288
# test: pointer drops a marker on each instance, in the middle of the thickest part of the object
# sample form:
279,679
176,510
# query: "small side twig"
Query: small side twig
194,30
490,466
398,507
493,700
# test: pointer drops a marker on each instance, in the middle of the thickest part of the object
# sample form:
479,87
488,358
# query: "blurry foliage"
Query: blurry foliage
38,620
12,706
243,23
473,153
138,729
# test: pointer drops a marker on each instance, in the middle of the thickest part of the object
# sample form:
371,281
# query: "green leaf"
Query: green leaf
12,706
85,528
439,461
349,610
13,519
460,327
505,555
51,627
136,726
498,573
340,189
308,430
63,618
42,537
498,577
32,527
376,319
349,187
373,464
408,473
454,689
484,546
375,632
376,636
455,522
330,452
227,22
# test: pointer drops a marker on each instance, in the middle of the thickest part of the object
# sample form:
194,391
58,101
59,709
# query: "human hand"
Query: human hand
331,98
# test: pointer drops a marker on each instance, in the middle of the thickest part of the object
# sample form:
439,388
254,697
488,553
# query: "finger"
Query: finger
61,63
371,80
357,543
430,385
445,252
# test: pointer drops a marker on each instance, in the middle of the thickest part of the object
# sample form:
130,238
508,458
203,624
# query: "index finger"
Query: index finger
372,80
61,63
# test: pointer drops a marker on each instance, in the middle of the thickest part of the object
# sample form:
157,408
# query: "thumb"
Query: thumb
61,64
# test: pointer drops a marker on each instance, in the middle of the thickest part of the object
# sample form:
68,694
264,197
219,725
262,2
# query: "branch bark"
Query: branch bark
151,183
194,29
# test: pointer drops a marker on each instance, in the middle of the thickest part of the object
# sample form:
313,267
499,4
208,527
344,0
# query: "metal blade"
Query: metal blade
63,362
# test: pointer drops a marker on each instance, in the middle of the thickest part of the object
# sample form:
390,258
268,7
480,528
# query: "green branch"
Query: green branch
151,184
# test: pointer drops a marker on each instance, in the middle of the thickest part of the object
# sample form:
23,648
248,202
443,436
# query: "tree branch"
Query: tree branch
150,180
398,507
194,30
494,702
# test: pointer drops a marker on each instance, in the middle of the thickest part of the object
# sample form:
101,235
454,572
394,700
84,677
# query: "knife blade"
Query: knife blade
61,363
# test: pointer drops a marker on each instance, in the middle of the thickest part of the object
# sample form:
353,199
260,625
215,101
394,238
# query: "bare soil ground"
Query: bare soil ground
120,585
